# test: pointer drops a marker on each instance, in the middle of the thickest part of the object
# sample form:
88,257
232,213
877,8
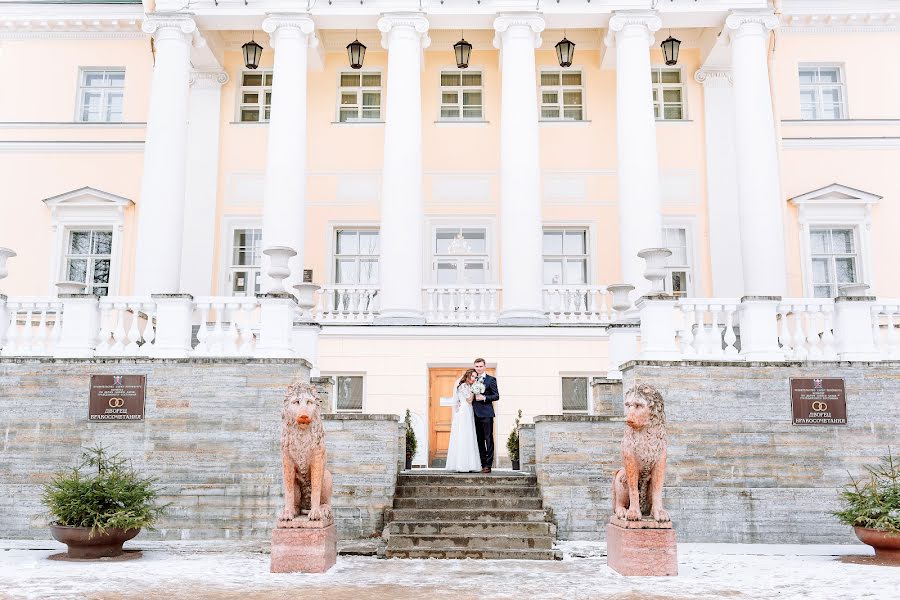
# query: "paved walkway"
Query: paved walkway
200,571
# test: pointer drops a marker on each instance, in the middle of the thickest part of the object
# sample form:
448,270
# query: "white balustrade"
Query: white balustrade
706,328
228,326
347,304
461,304
578,304
126,326
34,326
806,328
885,321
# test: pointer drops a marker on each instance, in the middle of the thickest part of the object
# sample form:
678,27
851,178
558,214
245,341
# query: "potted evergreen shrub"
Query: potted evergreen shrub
411,441
100,504
512,443
872,507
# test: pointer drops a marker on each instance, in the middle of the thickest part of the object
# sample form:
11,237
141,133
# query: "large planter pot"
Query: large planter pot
409,462
887,545
101,545
515,465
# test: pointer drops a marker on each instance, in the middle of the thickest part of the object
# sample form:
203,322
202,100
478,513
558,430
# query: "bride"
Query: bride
462,454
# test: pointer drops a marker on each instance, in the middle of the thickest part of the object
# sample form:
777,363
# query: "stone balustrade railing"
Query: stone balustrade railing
706,328
462,304
30,326
578,304
347,304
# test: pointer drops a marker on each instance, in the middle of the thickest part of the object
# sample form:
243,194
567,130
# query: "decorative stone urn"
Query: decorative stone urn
306,299
5,253
81,544
620,300
853,289
886,544
70,287
279,256
655,269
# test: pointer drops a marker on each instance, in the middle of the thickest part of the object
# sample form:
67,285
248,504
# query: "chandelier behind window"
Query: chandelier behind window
459,245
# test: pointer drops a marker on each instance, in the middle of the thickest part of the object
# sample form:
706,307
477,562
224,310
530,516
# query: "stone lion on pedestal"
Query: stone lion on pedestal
637,488
307,481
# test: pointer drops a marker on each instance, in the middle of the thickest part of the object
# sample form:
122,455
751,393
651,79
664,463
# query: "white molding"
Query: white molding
482,331
72,125
840,121
826,143
72,146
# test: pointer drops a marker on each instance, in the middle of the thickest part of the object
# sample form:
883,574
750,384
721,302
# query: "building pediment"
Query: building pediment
835,194
87,199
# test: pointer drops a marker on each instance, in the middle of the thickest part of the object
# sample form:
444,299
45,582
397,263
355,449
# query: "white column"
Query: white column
640,213
517,35
161,207
404,36
759,192
284,204
197,263
721,183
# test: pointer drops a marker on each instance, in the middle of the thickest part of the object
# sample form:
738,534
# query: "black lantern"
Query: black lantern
356,51
463,49
670,50
565,52
252,52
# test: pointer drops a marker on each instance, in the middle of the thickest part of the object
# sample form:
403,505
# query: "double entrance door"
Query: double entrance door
441,389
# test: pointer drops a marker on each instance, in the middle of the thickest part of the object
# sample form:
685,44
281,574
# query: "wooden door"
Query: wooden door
441,385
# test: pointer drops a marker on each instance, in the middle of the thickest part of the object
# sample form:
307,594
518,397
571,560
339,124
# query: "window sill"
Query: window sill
674,120
365,122
248,123
462,122
566,122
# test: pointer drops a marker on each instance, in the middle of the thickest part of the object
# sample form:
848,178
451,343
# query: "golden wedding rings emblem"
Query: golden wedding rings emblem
819,406
116,402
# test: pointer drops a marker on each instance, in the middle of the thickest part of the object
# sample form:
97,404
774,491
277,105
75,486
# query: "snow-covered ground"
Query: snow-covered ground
198,571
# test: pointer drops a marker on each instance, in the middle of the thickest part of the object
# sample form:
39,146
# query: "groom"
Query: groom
484,416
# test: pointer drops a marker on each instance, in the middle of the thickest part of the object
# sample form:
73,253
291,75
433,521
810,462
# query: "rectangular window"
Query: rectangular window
460,256
562,96
356,254
359,97
101,93
243,271
575,395
668,94
678,266
834,260
89,258
822,92
461,96
348,393
256,96
565,256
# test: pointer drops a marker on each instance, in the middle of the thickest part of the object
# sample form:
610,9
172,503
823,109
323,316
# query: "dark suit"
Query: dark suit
484,420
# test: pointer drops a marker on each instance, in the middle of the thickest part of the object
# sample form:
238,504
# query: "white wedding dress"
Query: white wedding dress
462,454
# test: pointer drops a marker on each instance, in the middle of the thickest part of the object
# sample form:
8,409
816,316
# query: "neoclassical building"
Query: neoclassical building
450,179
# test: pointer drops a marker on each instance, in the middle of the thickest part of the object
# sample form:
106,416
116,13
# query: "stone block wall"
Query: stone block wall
606,397
526,447
211,435
738,470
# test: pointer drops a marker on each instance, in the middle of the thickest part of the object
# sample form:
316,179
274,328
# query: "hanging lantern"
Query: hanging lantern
670,50
463,49
565,52
356,51
252,52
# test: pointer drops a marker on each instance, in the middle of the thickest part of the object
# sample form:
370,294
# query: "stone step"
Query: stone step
483,515
466,491
433,478
484,542
477,553
469,503
469,528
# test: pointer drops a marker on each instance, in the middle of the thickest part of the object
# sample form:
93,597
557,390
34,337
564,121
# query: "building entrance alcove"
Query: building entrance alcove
441,389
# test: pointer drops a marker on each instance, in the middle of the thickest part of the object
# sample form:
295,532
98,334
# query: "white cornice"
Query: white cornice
827,143
70,21
63,146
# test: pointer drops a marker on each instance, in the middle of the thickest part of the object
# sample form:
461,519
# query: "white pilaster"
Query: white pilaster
284,204
759,190
640,212
721,183
404,35
517,36
161,207
202,178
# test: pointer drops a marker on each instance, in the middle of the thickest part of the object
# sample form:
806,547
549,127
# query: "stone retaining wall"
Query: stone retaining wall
526,447
738,470
211,434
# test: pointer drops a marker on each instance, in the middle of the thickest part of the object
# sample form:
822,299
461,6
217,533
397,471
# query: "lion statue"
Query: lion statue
637,488
307,481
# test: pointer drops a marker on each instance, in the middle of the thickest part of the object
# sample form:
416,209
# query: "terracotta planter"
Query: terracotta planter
82,545
887,545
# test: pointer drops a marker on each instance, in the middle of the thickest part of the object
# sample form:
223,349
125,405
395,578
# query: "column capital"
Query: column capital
208,78
714,77
750,22
505,23
631,23
291,25
393,24
169,24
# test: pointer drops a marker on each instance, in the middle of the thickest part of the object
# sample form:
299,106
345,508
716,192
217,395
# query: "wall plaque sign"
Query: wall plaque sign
818,401
117,397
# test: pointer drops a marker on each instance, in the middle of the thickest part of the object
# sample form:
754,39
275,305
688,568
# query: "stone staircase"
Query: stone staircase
467,515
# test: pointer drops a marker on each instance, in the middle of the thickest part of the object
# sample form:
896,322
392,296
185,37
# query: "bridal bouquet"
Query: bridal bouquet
478,387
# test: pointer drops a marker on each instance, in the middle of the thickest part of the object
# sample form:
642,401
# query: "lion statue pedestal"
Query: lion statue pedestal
304,539
640,539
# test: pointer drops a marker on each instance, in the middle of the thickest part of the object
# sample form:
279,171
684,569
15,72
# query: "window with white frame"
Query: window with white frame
460,256
101,95
461,95
565,256
256,96
822,92
668,94
89,259
835,260
244,266
678,265
562,95
575,395
359,96
356,253
348,393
